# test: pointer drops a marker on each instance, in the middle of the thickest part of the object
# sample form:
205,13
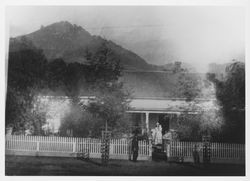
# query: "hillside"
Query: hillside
67,41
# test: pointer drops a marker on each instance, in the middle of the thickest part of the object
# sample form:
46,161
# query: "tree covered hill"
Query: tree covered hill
139,78
71,42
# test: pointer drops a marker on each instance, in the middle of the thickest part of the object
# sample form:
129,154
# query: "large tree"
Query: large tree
26,76
231,94
191,86
102,74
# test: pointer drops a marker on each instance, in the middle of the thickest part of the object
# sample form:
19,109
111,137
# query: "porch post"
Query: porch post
143,126
147,121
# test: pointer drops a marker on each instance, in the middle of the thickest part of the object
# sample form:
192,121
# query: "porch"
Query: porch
146,112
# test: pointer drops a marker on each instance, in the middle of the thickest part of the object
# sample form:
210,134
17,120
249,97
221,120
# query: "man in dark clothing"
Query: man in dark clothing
135,147
196,154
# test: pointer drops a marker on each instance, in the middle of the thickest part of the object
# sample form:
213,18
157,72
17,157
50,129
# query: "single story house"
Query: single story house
155,98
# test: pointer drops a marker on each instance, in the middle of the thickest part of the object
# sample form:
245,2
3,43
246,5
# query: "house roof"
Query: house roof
159,84
171,105
152,105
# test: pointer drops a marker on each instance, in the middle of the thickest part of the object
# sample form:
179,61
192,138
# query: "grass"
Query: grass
23,165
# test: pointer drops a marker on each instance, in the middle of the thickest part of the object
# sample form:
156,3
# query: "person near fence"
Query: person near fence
167,137
135,146
196,156
130,151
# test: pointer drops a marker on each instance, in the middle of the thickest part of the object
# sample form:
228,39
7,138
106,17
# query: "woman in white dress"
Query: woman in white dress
158,134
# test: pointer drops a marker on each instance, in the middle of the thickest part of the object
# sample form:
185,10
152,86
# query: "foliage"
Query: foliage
187,127
68,78
89,123
78,121
189,85
104,65
29,72
110,103
26,68
177,67
231,91
231,94
26,75
56,73
191,127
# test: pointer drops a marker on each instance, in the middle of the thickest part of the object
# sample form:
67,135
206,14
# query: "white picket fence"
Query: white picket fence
220,152
119,148
70,146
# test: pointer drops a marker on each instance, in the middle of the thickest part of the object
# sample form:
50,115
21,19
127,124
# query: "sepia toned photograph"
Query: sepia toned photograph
125,91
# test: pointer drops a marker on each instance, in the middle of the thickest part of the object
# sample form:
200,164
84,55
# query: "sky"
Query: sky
197,35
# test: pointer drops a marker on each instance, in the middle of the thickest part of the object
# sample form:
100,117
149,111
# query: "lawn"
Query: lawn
23,165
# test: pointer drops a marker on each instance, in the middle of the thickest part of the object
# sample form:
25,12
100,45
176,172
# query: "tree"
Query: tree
208,121
177,67
110,103
56,73
26,76
189,85
110,107
104,65
231,94
191,127
78,122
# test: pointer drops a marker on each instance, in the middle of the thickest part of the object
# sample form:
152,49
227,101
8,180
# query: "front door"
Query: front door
164,122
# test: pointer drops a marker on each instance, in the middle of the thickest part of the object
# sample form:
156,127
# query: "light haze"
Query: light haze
197,35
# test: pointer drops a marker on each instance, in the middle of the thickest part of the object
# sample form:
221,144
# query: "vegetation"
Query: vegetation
231,94
110,101
29,74
226,124
191,127
72,48
26,75
189,86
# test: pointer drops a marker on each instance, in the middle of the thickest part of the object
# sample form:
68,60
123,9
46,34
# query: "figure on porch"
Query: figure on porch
167,137
157,134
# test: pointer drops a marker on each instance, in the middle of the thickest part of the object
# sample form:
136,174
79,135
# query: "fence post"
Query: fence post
74,147
150,149
37,146
111,151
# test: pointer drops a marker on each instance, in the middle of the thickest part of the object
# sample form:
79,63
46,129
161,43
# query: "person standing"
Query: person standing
130,151
135,147
167,137
158,134
196,156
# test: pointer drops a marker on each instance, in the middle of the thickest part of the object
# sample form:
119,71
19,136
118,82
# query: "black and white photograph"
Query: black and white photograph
115,90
